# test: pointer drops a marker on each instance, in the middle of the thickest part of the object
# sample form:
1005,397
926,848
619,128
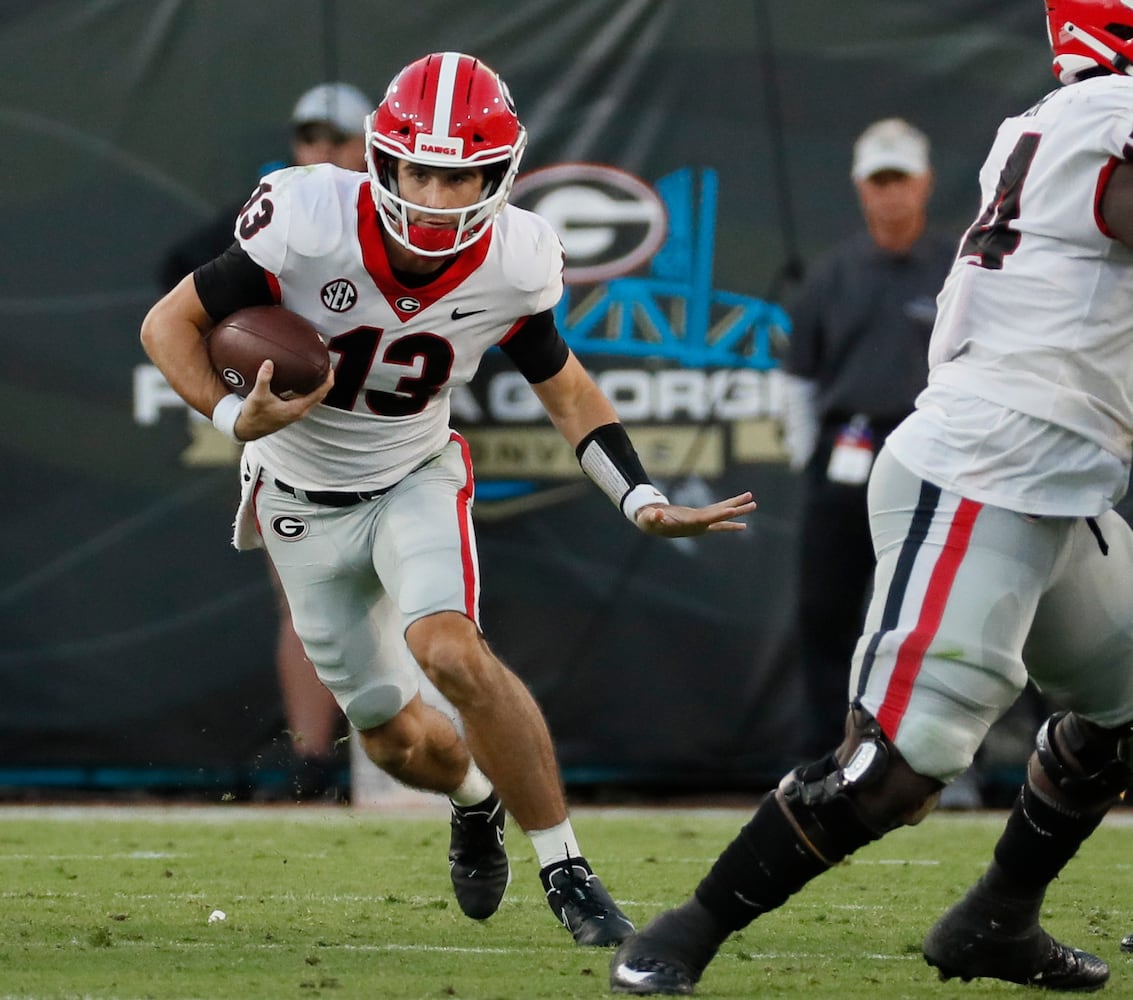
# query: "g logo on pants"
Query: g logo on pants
288,527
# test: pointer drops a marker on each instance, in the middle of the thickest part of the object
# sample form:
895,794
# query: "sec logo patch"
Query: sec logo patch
339,295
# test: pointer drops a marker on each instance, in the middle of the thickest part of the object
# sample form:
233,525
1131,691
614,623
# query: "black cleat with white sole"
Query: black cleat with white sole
477,861
646,976
668,956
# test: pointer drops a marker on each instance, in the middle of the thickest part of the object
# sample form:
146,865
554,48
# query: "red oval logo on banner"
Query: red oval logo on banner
610,222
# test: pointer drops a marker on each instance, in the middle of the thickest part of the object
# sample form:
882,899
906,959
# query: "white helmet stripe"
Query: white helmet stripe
446,85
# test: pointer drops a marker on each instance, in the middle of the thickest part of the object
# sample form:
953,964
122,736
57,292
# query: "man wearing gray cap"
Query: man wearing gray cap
327,125
857,357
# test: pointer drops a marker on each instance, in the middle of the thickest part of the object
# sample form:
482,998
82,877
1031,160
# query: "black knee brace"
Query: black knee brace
837,808
1088,766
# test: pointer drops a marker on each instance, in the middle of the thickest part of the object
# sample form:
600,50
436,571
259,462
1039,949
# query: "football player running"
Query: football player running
999,556
361,492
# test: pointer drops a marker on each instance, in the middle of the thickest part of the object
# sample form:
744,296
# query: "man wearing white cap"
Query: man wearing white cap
891,144
856,360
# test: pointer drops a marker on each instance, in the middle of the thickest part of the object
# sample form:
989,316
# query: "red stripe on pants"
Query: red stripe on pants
464,519
911,654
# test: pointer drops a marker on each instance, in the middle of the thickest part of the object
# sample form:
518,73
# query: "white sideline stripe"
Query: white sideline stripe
895,861
272,946
119,856
438,949
815,955
219,815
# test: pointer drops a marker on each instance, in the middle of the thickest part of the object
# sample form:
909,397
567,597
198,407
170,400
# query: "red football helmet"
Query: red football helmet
1086,34
444,110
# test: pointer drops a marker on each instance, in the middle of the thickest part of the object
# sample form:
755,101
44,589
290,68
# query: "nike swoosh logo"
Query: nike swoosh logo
457,314
632,977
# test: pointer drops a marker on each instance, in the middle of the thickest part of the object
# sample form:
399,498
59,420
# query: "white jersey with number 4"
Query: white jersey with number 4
397,351
1029,403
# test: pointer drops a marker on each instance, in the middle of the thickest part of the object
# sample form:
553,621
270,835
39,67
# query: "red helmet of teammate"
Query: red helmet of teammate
1087,34
444,110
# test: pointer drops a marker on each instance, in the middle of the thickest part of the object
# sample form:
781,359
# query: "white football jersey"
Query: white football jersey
397,351
1029,403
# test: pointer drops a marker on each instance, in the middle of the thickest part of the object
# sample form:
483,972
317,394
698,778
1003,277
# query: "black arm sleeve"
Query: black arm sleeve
232,281
537,349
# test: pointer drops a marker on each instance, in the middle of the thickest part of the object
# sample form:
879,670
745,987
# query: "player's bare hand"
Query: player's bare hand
264,412
671,521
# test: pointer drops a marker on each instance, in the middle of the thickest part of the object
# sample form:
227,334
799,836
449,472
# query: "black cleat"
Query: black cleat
644,967
646,976
578,898
967,944
668,956
477,860
1127,943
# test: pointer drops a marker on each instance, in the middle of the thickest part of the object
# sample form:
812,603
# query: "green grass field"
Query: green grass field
340,903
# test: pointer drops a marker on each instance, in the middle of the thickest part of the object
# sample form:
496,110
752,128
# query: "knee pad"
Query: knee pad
838,807
1086,768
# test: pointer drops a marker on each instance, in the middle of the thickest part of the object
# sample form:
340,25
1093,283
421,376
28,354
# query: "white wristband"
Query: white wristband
638,497
226,413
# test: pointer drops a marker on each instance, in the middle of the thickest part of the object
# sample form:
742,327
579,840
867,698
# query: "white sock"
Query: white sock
475,787
554,845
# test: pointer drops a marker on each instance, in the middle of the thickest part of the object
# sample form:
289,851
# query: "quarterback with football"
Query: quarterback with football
361,492
999,556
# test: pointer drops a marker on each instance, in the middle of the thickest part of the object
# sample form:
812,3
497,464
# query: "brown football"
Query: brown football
240,343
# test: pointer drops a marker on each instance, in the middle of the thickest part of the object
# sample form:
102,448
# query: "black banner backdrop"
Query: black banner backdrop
137,645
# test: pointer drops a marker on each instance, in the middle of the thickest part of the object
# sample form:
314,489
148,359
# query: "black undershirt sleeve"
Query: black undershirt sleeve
537,349
232,281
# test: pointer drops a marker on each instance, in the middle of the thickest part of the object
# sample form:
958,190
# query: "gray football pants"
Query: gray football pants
357,577
969,600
